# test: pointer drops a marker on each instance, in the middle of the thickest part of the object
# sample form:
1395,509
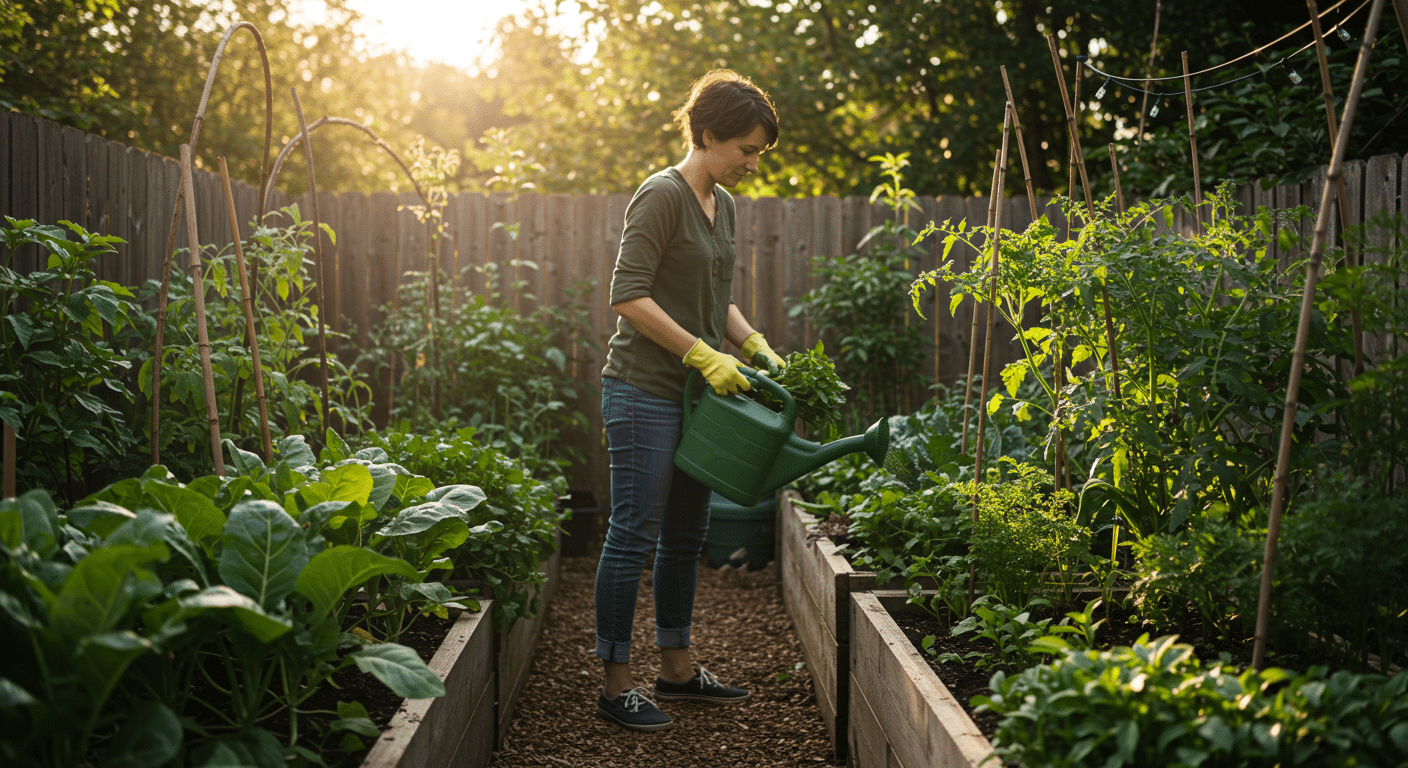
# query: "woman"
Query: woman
671,290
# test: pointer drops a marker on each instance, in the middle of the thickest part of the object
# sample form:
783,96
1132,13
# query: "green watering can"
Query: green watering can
744,450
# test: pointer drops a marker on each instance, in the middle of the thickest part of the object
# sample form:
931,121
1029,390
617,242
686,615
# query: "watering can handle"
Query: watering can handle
789,405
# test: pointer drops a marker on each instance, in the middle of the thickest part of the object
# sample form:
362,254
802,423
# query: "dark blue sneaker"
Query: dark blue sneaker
702,687
633,709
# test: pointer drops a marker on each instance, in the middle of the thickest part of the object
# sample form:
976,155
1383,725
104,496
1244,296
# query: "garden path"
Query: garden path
741,632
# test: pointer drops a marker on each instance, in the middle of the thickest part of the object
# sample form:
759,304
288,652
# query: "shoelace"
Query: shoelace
707,678
635,698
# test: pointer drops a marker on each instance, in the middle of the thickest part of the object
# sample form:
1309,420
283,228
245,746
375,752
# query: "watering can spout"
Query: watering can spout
798,457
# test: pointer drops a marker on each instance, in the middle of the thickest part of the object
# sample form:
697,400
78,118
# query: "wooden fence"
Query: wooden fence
49,173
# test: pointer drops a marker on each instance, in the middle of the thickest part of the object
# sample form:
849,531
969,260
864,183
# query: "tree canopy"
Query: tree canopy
563,107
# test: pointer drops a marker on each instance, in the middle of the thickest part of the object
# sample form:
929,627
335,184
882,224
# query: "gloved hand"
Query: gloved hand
720,369
755,345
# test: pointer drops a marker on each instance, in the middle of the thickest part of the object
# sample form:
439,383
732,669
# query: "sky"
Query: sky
451,31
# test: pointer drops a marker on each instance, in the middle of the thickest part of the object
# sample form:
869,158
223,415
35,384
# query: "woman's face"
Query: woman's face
728,162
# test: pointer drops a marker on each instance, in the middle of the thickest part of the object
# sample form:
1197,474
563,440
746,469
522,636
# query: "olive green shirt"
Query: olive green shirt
671,253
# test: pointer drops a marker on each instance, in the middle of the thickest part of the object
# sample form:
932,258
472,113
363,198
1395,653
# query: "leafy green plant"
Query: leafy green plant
62,388
1211,569
118,606
1010,630
286,321
503,373
1154,703
859,307
810,378
1023,529
521,507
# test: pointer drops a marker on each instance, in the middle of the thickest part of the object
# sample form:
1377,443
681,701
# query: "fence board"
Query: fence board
744,266
354,257
116,200
7,118
532,238
73,180
50,187
830,243
24,183
797,250
95,202
769,248
559,249
136,216
1380,198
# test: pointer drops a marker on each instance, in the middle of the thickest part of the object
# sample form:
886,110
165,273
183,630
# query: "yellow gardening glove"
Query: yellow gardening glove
720,369
755,345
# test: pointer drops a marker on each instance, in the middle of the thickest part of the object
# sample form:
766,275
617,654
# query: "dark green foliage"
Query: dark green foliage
480,363
1265,127
1023,530
64,387
1210,570
1155,704
523,506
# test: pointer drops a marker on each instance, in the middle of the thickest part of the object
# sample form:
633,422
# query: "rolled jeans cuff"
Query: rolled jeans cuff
672,638
617,653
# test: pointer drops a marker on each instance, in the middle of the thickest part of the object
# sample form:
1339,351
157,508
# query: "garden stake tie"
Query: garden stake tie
1342,195
249,328
1021,145
1193,148
212,413
176,208
987,340
1307,304
973,334
318,252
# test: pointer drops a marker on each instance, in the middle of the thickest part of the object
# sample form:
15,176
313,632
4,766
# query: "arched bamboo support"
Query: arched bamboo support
176,206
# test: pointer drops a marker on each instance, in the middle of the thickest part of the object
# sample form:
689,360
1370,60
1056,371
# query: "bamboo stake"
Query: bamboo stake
1400,8
212,413
1317,253
7,482
1149,71
973,334
1090,209
318,252
176,208
1071,124
1071,156
1327,91
987,341
249,328
1021,145
1193,145
1115,169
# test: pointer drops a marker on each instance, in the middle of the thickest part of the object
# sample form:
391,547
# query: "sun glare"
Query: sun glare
455,32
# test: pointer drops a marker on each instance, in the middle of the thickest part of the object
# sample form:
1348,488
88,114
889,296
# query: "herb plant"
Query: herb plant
810,378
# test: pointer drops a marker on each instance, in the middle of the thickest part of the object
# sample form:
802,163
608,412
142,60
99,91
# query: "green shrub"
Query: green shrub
1023,530
1155,704
1211,569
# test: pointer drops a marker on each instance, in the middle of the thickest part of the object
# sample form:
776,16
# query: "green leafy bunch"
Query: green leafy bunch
64,385
1023,529
810,378
1210,569
1154,703
521,505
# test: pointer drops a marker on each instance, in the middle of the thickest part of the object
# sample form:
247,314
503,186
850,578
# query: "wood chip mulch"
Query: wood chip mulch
741,633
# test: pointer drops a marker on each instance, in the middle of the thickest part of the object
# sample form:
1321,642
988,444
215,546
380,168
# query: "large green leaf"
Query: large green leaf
295,452
39,518
264,552
99,518
334,571
400,669
444,535
150,736
103,587
462,497
349,482
237,610
103,658
195,511
421,517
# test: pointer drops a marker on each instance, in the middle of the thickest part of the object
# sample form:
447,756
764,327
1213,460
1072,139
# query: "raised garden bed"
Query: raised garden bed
457,728
513,649
901,715
816,587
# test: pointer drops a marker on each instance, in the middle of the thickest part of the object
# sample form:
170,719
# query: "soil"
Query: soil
741,633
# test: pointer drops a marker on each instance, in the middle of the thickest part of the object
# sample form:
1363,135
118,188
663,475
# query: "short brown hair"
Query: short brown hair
727,105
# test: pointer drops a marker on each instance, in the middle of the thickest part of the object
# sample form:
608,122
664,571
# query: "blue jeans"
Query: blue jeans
654,508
